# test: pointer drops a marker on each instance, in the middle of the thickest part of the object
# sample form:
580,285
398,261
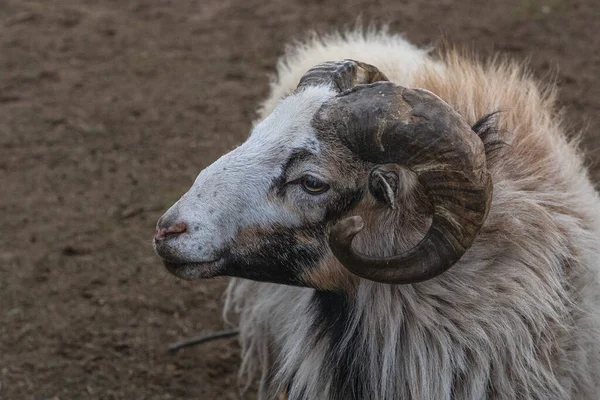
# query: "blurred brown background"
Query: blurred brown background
109,109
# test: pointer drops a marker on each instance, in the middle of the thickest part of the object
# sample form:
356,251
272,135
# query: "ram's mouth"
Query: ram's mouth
195,270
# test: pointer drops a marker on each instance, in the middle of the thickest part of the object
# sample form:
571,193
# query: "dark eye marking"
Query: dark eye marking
297,155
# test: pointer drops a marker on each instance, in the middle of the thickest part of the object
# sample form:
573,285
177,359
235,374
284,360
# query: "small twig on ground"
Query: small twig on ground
227,333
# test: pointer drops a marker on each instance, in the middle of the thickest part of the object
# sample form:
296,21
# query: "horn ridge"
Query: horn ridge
341,75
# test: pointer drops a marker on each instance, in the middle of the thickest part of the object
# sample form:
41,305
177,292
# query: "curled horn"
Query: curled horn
385,123
342,75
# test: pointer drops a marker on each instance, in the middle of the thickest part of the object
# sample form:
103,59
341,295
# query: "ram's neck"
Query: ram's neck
383,341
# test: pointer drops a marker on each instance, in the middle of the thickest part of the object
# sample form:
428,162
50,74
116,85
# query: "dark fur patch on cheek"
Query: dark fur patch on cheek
278,255
282,254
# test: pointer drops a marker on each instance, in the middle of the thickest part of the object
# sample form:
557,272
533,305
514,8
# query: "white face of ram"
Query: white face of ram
257,189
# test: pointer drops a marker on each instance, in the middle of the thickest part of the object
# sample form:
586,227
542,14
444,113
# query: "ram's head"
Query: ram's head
327,187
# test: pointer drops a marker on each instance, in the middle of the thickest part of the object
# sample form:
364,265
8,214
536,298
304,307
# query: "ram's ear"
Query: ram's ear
383,185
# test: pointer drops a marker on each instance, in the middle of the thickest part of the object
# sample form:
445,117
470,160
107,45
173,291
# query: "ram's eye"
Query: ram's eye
313,185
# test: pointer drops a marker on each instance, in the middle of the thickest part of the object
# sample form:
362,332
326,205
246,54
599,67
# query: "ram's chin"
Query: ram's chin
194,271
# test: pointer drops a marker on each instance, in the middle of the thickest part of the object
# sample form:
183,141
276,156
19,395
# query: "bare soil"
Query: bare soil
109,109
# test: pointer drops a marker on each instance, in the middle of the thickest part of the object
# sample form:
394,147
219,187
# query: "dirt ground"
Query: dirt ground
109,109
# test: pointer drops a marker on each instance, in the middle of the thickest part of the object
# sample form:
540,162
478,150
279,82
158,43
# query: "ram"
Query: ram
406,227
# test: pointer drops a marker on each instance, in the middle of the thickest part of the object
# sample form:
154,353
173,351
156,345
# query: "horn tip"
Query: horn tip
348,227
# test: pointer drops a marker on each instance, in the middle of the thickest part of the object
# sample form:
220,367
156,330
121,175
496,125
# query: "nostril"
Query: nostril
173,230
